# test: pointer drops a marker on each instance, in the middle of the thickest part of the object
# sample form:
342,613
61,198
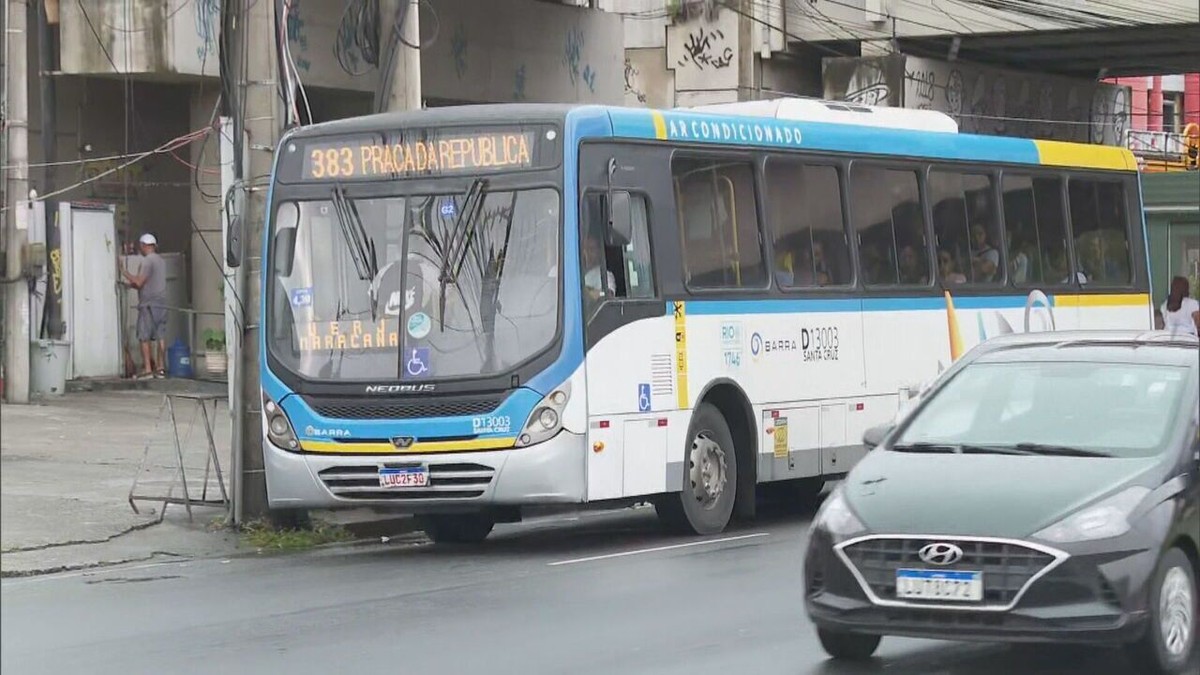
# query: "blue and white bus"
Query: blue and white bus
473,311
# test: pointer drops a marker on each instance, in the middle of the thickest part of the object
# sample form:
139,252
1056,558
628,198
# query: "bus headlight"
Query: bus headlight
279,427
546,419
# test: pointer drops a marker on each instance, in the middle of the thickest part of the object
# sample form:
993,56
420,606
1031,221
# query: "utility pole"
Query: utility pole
16,122
401,85
262,130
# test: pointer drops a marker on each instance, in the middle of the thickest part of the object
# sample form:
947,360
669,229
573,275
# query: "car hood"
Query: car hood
982,495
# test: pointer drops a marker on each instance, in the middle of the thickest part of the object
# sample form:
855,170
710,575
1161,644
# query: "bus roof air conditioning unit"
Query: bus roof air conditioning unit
838,112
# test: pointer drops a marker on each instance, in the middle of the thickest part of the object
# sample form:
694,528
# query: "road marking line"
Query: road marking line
656,549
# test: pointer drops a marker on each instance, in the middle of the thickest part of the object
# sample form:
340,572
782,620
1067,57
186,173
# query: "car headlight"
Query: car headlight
546,419
1105,519
279,427
836,517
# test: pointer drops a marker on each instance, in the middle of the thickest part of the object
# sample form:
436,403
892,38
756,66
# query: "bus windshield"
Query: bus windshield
414,287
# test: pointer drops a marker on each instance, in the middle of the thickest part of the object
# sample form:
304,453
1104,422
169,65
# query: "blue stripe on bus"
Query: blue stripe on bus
823,305
689,127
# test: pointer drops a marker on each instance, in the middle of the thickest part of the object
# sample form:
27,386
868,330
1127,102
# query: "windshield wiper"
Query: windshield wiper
454,254
360,244
959,449
1059,450
926,447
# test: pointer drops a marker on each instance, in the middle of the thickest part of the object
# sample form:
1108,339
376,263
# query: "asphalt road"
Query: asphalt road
593,593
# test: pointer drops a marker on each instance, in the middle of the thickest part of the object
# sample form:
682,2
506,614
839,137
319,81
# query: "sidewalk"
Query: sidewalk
66,467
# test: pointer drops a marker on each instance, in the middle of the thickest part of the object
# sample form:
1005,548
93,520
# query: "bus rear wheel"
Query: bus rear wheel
705,503
458,528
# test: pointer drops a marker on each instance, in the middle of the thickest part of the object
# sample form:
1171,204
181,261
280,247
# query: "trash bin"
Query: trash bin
48,367
179,360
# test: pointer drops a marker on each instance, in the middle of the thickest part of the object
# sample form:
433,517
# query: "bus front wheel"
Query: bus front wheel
458,528
705,503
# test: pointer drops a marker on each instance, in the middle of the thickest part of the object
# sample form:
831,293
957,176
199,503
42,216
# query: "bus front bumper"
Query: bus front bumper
547,473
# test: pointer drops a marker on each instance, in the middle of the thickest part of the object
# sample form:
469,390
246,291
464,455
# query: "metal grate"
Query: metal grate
446,481
403,409
1007,567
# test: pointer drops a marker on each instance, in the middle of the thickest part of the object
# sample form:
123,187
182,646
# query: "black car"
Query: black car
1046,488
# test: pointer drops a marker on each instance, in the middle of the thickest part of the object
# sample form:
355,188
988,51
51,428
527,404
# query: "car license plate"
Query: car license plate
403,477
939,585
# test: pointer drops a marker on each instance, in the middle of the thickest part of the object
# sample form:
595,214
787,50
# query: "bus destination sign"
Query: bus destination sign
427,154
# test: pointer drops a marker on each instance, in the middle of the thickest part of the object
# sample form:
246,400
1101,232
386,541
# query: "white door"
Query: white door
94,328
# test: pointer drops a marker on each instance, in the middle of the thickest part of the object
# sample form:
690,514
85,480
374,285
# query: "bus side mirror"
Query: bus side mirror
873,437
621,217
285,251
233,242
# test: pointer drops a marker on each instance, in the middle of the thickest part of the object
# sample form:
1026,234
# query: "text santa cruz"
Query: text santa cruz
744,132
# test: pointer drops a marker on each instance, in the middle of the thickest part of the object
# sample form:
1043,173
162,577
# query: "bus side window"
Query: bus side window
891,227
635,271
1036,229
718,214
616,260
1098,223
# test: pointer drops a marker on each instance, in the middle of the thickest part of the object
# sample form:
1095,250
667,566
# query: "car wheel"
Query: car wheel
705,503
848,646
457,528
1170,640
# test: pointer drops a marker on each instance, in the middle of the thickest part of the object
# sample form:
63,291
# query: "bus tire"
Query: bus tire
457,528
705,504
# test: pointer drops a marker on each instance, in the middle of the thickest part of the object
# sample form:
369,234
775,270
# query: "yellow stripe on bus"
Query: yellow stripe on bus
681,364
1084,156
1103,300
660,125
385,448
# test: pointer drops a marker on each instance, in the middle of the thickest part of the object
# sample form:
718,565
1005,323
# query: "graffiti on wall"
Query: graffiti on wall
703,53
519,83
633,85
207,15
985,100
458,49
706,49
298,36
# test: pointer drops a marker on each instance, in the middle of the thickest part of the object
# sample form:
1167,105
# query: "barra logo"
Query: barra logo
326,433
760,346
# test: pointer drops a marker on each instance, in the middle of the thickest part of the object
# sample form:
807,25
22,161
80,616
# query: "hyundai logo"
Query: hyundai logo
407,441
940,554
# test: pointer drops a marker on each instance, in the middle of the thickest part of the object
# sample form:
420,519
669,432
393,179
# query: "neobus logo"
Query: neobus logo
399,388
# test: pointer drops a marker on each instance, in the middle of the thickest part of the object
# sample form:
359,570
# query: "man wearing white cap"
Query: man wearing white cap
151,282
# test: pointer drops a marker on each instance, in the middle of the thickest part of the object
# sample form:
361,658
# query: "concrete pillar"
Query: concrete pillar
1155,104
1191,98
206,277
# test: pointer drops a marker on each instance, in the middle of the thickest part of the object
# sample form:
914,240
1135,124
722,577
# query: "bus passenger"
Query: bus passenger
912,271
949,270
986,259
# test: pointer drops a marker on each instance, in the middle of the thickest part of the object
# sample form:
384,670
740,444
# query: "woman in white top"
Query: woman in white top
1181,313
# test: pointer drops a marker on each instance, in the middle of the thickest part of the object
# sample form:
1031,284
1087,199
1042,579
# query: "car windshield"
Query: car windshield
415,287
1065,408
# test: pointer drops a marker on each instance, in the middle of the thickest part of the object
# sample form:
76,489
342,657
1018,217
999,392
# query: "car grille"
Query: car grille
402,409
446,481
1007,567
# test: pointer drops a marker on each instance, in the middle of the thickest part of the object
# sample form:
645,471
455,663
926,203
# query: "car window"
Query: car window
1123,409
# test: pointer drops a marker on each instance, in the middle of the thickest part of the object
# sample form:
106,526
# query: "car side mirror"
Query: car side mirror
873,437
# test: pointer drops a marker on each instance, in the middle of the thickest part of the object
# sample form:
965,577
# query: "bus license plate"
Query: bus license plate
939,585
406,477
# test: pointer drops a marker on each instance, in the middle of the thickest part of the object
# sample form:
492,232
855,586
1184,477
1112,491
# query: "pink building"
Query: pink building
1163,102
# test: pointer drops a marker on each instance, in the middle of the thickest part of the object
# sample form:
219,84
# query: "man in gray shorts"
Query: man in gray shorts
151,282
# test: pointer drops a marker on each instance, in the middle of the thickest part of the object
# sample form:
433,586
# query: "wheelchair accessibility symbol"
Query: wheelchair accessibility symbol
643,397
417,363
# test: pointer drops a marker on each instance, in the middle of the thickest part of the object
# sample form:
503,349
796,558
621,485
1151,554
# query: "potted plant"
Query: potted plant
215,361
